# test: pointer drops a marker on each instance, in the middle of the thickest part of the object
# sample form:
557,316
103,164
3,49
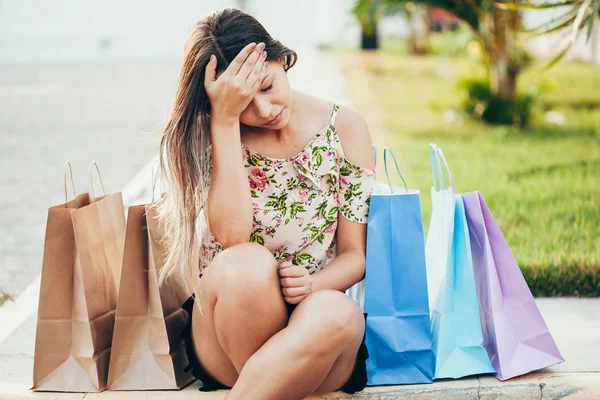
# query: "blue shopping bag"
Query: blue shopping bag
395,297
456,323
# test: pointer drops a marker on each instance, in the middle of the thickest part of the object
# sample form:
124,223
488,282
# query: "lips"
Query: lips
276,119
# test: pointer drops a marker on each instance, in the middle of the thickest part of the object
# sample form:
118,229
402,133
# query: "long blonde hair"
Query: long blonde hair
183,155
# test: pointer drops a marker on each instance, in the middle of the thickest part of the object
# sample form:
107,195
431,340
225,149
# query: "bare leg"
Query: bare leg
248,303
292,364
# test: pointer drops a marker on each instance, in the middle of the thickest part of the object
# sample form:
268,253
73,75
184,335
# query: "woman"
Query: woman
283,233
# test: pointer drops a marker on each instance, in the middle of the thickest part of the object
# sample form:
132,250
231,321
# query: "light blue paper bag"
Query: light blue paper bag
395,293
437,247
456,323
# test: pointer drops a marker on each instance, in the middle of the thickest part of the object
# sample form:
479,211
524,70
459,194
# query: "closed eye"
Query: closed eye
267,89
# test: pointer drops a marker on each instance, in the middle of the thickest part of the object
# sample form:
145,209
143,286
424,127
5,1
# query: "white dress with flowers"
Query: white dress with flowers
297,201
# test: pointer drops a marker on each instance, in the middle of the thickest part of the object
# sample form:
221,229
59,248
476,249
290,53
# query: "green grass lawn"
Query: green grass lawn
541,182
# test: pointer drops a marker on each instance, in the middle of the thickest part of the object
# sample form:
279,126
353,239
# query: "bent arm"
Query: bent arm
229,201
348,267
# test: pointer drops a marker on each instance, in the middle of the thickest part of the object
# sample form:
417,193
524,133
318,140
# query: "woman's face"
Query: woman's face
272,100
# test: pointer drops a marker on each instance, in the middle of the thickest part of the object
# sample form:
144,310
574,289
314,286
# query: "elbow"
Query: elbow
231,240
357,260
361,265
228,232
229,236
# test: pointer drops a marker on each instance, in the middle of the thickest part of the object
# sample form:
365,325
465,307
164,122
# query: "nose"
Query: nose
263,108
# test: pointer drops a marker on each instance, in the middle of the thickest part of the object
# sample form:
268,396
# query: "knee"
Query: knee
245,267
336,314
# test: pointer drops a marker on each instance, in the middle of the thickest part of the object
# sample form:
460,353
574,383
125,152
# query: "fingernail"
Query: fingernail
262,45
252,45
212,57
266,64
263,54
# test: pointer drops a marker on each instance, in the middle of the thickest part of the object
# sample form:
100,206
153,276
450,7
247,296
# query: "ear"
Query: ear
282,60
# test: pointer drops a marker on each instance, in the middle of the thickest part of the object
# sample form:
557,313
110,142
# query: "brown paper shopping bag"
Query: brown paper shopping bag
148,352
81,265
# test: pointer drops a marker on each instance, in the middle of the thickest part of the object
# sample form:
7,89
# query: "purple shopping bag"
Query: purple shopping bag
514,332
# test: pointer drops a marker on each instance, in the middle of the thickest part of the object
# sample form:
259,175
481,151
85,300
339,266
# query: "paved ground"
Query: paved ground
574,323
50,113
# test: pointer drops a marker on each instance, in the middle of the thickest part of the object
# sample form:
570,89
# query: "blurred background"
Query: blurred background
510,91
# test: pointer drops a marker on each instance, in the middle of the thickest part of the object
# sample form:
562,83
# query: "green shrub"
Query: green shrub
482,104
563,280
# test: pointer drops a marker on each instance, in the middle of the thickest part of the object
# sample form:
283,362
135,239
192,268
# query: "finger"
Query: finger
285,264
255,71
238,61
294,292
261,76
250,62
291,272
210,73
292,282
293,300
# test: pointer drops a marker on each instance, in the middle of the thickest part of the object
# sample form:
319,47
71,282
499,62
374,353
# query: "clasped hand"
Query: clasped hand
296,282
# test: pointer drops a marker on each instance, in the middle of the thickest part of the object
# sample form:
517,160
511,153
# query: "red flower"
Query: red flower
331,227
257,178
303,193
329,253
303,158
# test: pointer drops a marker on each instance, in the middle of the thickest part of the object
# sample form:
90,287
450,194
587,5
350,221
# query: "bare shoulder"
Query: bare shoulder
350,126
353,131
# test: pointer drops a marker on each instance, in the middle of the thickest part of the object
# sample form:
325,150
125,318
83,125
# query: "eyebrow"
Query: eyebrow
264,79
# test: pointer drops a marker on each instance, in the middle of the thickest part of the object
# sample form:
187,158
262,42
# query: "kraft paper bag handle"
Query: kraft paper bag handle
155,180
385,151
93,163
68,164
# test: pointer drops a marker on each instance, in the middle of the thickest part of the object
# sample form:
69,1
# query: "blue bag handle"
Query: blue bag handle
385,151
436,169
375,157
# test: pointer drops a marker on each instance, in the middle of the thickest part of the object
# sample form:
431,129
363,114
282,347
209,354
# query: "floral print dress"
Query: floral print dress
297,201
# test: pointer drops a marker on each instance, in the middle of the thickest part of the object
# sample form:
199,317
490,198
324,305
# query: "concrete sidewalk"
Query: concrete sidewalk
574,323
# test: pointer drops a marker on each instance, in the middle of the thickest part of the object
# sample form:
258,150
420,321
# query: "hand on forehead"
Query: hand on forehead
280,61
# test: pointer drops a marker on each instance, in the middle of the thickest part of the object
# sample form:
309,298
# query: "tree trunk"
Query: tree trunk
369,41
504,66
418,37
503,81
596,45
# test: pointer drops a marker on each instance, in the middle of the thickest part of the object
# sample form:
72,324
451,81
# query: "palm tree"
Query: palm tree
369,13
497,30
576,16
498,23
